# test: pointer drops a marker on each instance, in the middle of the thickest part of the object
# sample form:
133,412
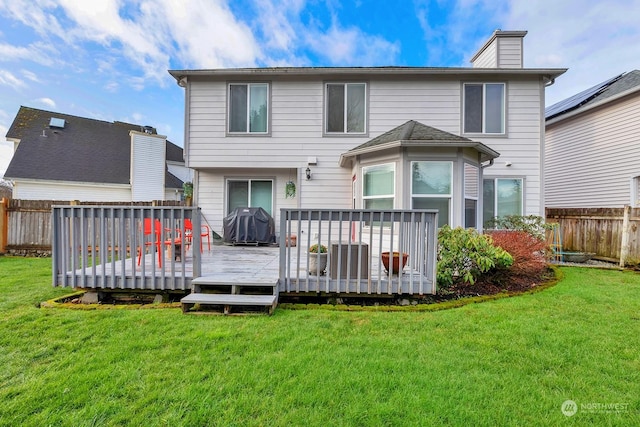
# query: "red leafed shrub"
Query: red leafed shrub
528,255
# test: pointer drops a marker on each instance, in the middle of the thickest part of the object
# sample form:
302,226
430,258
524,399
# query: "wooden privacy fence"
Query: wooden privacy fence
28,223
599,230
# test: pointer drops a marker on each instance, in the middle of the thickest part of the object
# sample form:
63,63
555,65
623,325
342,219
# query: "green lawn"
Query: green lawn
512,361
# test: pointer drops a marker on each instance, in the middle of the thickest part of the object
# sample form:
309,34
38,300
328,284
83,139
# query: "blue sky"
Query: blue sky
108,59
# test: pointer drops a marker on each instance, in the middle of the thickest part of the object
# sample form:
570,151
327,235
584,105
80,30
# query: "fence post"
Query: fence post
624,249
4,223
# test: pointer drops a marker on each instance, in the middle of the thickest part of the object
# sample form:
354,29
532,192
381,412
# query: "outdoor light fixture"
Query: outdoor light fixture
307,171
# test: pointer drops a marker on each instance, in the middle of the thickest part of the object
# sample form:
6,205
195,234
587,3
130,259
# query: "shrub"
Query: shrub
528,256
315,249
463,255
531,224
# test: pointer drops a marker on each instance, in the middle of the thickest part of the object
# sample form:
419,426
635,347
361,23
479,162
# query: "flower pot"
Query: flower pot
317,263
396,261
291,241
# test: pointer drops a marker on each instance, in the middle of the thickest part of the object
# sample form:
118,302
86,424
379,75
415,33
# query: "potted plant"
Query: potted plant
187,188
290,190
317,259
386,257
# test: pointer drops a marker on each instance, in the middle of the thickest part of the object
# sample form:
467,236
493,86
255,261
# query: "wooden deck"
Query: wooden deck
96,247
236,265
229,264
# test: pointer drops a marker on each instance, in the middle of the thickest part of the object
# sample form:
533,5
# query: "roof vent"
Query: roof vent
150,129
56,123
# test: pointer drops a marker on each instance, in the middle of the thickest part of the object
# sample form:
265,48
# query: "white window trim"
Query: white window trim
484,108
465,197
384,196
495,189
634,197
241,179
326,109
433,196
248,131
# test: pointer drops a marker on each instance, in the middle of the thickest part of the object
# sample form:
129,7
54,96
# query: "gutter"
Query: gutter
179,75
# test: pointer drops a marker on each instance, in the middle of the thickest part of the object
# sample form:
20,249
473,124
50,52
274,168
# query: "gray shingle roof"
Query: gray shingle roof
85,150
414,133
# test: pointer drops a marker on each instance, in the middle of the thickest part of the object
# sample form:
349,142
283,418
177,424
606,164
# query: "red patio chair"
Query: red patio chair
204,232
148,230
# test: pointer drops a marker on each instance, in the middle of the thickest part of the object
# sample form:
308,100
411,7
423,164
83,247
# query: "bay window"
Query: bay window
432,187
378,186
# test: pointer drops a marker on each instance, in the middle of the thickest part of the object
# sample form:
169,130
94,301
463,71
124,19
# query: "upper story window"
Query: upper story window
484,108
249,108
345,108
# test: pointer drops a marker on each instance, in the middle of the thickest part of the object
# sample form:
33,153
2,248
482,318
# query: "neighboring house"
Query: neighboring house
592,146
63,157
371,137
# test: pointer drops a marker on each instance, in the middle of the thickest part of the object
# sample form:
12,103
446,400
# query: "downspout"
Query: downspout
487,165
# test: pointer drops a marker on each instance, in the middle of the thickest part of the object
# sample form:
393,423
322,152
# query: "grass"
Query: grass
512,361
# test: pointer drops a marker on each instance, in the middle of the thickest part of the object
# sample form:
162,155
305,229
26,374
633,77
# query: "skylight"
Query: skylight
56,123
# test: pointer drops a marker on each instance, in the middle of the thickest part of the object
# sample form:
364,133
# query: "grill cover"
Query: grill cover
249,225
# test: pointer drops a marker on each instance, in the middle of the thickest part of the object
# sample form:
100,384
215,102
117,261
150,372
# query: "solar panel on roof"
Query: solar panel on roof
578,99
56,123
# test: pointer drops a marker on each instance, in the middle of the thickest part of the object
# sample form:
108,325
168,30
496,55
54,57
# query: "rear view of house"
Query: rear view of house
371,137
63,157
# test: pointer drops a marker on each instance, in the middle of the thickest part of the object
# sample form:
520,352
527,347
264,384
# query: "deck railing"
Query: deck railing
107,247
355,242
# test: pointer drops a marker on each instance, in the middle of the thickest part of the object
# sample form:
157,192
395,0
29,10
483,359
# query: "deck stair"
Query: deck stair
232,298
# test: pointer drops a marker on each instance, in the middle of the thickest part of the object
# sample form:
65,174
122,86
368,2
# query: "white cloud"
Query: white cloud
9,79
351,46
48,102
30,75
595,40
201,33
111,87
40,52
206,33
137,118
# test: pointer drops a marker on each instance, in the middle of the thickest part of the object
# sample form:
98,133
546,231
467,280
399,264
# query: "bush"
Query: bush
531,224
528,256
463,255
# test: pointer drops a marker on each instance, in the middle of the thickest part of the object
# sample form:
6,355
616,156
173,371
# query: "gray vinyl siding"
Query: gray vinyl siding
522,144
56,190
591,158
211,195
489,57
297,133
510,52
